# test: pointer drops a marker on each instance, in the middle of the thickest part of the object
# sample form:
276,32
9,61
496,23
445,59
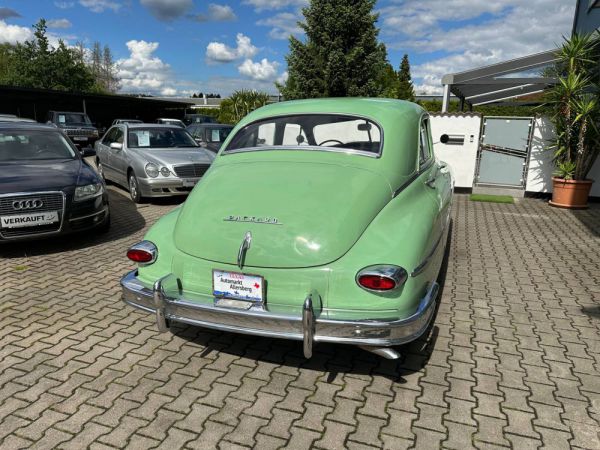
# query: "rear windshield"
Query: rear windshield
73,119
30,145
217,134
159,138
332,132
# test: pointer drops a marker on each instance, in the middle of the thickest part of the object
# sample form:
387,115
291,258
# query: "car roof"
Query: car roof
28,126
150,125
383,110
210,125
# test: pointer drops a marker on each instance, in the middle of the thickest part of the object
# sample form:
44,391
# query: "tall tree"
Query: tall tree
109,71
406,90
340,56
389,81
35,63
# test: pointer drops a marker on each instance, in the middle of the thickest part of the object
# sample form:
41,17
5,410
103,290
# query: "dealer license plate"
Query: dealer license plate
189,183
238,286
80,138
29,220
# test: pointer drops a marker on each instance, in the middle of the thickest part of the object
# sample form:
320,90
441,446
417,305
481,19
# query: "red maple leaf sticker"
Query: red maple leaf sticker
256,285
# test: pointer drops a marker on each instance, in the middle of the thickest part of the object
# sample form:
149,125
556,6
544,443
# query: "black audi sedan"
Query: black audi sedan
46,187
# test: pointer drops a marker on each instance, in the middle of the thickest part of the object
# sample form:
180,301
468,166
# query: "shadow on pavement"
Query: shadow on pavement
125,220
333,359
590,218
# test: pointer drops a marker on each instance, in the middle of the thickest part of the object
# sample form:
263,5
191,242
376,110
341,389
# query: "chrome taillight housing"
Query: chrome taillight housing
143,253
381,278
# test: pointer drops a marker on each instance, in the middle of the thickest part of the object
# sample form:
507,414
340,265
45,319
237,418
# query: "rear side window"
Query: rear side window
424,143
327,132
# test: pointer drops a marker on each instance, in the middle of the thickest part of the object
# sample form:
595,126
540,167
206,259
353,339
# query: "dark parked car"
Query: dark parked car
76,125
189,119
46,187
210,135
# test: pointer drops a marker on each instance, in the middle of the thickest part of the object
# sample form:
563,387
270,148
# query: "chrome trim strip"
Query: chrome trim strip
89,215
314,148
380,333
421,267
46,233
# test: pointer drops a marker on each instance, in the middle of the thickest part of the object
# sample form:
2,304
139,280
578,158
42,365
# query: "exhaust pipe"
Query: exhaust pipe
386,352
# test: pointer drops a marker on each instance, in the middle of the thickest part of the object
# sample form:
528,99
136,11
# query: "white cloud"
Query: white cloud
221,13
143,71
167,9
99,6
219,52
64,5
59,23
13,34
168,92
283,25
506,29
261,5
262,71
216,13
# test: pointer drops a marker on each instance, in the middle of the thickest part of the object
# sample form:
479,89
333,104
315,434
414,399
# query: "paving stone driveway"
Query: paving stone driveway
513,359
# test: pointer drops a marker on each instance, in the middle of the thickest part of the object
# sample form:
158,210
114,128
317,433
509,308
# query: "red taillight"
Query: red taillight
139,256
376,282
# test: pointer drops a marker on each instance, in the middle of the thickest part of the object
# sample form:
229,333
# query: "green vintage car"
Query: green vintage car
320,220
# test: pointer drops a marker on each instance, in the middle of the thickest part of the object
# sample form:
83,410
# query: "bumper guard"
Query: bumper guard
312,326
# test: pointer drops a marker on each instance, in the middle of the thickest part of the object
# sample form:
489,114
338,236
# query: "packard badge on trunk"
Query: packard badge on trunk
253,219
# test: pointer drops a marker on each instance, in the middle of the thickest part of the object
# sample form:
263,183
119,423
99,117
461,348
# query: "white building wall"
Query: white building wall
461,158
539,173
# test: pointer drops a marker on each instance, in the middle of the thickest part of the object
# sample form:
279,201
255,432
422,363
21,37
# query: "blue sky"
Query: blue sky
175,47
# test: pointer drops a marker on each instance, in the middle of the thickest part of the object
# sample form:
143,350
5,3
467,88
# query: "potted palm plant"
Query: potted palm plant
575,105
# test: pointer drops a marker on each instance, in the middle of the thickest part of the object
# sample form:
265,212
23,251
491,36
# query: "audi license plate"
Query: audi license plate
238,286
29,220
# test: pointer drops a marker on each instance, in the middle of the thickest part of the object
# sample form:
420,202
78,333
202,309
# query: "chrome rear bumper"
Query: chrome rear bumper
310,327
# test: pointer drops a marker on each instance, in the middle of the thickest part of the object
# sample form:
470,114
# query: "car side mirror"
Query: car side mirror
444,138
116,145
87,152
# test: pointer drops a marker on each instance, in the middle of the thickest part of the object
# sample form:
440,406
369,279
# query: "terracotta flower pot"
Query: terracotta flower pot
570,193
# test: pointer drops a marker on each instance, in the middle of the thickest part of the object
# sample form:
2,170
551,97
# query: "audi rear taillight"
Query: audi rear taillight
143,253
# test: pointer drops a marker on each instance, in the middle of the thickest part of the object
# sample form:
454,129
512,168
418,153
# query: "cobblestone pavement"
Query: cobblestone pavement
513,359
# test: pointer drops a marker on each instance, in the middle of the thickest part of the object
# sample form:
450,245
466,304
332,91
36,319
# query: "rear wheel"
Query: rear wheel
134,188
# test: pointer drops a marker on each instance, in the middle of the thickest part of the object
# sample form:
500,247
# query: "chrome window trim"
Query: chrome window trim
46,233
428,161
304,147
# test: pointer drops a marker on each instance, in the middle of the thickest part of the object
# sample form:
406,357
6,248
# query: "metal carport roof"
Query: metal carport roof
501,81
